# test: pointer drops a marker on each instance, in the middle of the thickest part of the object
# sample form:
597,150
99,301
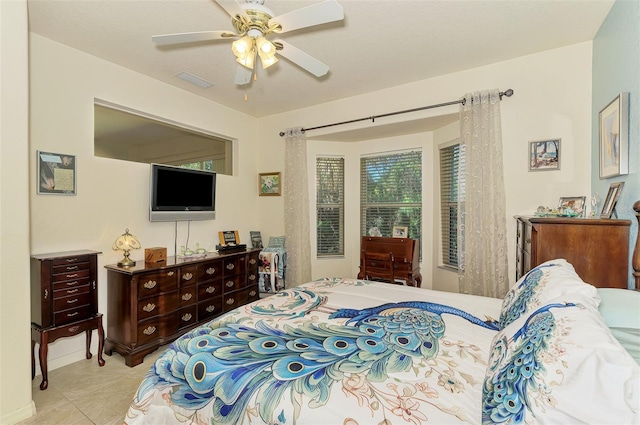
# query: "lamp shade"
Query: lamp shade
125,243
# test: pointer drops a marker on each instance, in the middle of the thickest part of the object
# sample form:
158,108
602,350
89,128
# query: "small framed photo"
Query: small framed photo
400,231
269,184
56,173
614,137
573,206
612,198
544,155
256,239
229,238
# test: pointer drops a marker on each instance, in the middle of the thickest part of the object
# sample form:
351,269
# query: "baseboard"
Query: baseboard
19,415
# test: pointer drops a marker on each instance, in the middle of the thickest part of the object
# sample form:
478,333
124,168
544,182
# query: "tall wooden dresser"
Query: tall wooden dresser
64,302
597,248
149,305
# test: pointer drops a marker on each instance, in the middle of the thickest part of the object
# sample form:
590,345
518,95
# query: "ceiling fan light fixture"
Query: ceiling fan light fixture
242,46
267,61
247,60
265,47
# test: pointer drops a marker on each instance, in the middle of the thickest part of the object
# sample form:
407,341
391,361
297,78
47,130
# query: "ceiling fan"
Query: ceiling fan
254,23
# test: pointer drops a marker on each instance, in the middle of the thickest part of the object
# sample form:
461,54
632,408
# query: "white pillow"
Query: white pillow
545,282
560,365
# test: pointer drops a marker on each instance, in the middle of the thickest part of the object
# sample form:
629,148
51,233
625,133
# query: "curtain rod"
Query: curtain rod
508,93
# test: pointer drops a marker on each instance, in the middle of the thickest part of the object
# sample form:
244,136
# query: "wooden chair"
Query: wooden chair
378,266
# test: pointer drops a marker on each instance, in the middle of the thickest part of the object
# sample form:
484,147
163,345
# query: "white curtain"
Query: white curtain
482,243
296,208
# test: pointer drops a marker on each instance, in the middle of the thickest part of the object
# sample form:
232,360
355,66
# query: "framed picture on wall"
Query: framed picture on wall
56,173
544,155
614,137
269,184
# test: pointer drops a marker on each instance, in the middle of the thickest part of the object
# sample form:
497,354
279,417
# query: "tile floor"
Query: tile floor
84,393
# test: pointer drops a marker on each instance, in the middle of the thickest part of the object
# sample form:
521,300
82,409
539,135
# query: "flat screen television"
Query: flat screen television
181,194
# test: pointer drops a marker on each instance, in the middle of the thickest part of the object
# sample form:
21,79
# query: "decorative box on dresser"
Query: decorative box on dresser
149,305
597,248
64,302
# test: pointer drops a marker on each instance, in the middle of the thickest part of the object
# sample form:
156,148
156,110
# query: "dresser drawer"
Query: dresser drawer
73,301
252,278
209,289
231,283
154,306
209,308
64,275
187,296
76,290
235,266
72,315
252,262
150,284
210,270
76,259
187,316
188,275
252,293
233,300
70,284
157,327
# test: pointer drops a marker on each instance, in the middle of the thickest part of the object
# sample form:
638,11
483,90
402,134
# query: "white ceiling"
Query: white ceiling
379,44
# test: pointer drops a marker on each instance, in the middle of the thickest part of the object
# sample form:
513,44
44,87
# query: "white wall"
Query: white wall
551,100
113,195
15,335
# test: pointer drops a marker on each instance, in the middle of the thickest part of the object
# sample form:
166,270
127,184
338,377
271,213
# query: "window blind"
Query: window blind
391,193
449,195
330,206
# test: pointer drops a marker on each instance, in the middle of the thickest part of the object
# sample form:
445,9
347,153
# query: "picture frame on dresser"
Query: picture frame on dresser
609,206
574,203
613,136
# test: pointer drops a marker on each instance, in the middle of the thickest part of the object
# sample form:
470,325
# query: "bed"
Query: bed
354,352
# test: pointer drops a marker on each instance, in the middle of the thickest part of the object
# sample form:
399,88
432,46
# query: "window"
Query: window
391,193
126,134
450,193
330,206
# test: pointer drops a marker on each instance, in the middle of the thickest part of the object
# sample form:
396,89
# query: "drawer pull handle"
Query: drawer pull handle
170,273
186,317
72,291
252,277
150,330
210,308
75,282
252,293
210,289
231,266
210,270
150,284
46,293
252,261
75,300
230,284
187,296
71,260
231,301
72,268
187,276
71,276
149,307
73,329
75,313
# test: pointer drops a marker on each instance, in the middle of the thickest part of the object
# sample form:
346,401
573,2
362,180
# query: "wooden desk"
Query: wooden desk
406,255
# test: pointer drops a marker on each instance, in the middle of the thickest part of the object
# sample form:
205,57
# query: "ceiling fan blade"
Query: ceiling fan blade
316,14
243,75
300,58
189,37
232,7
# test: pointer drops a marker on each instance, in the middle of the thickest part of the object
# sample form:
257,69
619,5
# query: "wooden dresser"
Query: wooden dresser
597,248
149,305
406,255
64,302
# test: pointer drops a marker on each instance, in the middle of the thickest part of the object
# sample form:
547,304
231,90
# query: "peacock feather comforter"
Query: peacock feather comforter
355,352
